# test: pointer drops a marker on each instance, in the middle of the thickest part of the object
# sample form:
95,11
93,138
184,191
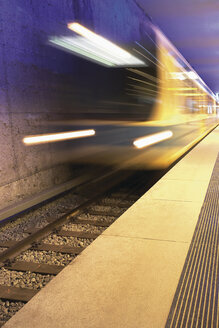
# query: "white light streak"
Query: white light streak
184,75
178,76
192,75
104,51
99,41
86,48
71,44
152,139
45,138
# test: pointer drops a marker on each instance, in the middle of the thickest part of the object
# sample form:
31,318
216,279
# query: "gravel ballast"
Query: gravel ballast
46,257
83,227
39,218
67,241
8,309
23,279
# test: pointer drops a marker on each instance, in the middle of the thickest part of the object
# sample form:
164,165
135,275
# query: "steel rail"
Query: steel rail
105,185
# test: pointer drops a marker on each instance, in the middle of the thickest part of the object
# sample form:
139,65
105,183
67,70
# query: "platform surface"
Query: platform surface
128,276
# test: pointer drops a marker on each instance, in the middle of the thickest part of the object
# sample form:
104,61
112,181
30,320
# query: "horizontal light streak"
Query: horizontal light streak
70,44
142,88
141,93
178,76
45,138
147,76
192,75
182,89
98,40
190,94
148,83
184,75
152,139
101,48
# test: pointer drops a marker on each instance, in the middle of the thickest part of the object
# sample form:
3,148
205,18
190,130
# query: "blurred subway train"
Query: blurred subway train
137,104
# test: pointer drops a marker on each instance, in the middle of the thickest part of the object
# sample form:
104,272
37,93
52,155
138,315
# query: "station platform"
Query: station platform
156,266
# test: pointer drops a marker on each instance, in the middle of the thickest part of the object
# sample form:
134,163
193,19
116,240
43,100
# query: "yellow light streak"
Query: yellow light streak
45,138
147,76
190,94
148,83
152,139
141,88
182,89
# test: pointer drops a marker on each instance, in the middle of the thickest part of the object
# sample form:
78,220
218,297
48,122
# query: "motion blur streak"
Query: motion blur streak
190,94
44,138
152,139
98,40
104,47
79,47
182,89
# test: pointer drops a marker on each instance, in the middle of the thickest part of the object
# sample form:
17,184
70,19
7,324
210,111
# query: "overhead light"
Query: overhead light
152,139
45,138
96,48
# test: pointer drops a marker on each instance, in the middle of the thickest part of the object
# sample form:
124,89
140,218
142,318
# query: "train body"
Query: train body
144,101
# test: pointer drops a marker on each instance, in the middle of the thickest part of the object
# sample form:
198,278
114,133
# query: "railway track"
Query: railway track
62,238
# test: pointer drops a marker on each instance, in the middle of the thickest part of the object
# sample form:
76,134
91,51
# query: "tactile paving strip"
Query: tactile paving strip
195,303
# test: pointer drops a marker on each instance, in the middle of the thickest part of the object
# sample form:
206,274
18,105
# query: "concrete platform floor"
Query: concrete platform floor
128,276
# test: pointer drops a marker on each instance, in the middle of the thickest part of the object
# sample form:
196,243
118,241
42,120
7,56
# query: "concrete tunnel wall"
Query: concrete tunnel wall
36,84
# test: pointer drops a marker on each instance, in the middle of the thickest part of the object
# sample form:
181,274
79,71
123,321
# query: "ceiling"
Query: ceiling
193,27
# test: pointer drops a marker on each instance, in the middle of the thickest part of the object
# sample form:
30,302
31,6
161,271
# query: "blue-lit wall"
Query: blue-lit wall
36,81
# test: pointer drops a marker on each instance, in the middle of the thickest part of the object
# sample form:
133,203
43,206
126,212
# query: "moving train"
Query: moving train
139,104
